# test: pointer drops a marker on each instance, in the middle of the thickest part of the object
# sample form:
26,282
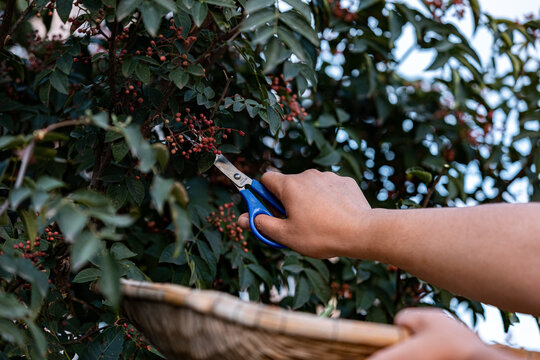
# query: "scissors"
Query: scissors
247,187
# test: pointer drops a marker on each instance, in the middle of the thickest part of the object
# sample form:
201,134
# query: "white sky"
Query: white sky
526,333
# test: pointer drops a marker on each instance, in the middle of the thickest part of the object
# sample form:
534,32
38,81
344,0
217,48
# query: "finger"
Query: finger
408,350
273,181
243,221
416,319
272,227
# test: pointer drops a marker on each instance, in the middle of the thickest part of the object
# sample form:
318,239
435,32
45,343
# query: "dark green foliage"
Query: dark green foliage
87,179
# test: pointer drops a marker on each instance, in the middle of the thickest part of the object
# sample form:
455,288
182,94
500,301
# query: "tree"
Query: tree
110,131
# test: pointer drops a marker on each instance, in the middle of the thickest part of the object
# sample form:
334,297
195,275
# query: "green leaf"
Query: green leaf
11,333
159,191
29,219
126,7
11,308
322,291
328,156
59,81
71,221
128,67
39,343
87,275
84,248
120,150
64,63
223,3
162,154
18,195
151,19
121,251
302,293
258,19
325,120
143,72
199,10
63,8
245,277
299,25
169,5
107,346
25,269
109,284
208,256
320,267
475,7
420,174
118,193
262,273
364,299
293,43
196,70
181,221
302,8
255,5
273,119
140,148
206,161
179,77
173,254
180,194
47,183
136,190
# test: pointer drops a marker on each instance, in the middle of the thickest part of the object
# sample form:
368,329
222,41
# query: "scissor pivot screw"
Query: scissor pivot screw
237,176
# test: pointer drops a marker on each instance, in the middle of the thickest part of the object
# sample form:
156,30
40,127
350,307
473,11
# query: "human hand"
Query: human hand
436,336
325,213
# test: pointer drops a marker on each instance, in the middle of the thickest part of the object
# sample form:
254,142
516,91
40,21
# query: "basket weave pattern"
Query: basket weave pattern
183,323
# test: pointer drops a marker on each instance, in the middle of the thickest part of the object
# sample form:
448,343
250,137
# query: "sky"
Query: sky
526,333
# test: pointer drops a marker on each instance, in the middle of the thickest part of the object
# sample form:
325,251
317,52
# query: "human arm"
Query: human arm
488,253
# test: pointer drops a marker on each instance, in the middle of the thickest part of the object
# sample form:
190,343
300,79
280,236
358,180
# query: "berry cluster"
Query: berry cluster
131,95
225,221
191,133
85,23
341,12
131,334
31,252
342,291
438,8
283,89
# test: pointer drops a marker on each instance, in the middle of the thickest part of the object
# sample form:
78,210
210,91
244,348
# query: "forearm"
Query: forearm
489,253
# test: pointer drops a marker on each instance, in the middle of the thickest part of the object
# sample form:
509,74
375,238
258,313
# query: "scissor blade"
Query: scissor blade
239,179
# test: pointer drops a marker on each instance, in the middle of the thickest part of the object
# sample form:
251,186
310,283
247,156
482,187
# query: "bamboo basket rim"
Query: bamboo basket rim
266,317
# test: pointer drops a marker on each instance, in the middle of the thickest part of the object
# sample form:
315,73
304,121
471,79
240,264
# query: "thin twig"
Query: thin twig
27,154
6,21
431,190
29,150
222,96
22,17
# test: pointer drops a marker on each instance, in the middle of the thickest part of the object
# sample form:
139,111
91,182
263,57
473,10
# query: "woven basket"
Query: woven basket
184,323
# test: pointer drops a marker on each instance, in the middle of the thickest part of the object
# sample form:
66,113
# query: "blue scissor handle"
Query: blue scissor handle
268,196
255,207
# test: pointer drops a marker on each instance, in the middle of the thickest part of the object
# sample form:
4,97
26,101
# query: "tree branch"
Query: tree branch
431,190
22,17
222,96
6,22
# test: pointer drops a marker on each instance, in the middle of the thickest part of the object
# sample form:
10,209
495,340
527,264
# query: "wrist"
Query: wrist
368,240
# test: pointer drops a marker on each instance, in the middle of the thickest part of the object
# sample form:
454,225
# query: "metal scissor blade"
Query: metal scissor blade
239,179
